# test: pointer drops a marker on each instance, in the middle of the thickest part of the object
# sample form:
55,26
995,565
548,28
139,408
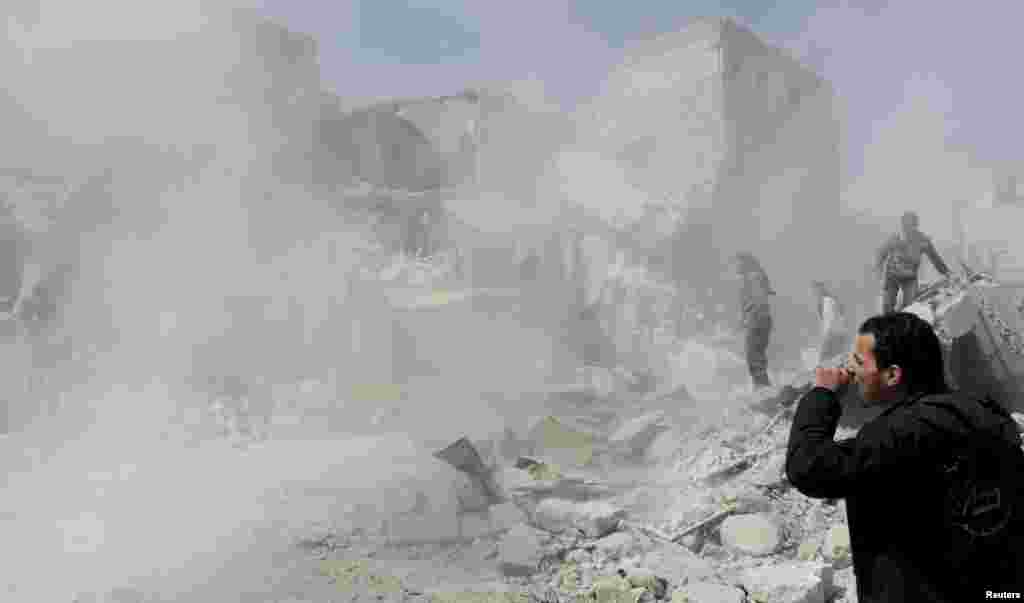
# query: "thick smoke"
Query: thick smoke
184,207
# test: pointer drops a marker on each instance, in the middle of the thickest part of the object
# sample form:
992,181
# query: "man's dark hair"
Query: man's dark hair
905,340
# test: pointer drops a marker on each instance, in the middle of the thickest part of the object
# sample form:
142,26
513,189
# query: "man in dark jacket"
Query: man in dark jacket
891,473
899,260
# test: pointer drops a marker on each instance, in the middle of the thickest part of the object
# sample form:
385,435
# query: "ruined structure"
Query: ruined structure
740,136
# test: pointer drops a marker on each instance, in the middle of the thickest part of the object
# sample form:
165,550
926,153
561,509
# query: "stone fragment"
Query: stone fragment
792,582
506,516
563,444
665,446
520,552
771,473
675,564
592,519
707,592
693,541
636,435
836,547
646,579
844,585
808,549
620,544
755,534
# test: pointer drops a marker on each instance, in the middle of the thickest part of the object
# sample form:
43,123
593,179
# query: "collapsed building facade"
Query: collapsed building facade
739,136
729,144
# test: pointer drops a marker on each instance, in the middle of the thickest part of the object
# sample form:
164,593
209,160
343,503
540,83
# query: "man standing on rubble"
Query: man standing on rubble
899,260
912,537
756,312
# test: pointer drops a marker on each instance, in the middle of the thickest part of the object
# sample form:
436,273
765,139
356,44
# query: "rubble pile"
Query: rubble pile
589,514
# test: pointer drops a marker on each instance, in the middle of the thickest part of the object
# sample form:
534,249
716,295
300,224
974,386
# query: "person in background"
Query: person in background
835,332
756,315
899,260
13,250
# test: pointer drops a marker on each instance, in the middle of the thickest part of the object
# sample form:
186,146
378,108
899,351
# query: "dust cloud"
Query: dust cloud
218,251
196,212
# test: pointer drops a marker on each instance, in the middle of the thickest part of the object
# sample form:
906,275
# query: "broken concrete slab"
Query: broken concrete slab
665,447
836,547
757,534
621,544
636,435
808,549
506,516
520,552
844,586
563,444
676,564
771,471
708,592
646,579
471,494
420,529
746,501
592,519
792,582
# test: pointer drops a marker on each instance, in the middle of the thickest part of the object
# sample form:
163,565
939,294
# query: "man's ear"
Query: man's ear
894,376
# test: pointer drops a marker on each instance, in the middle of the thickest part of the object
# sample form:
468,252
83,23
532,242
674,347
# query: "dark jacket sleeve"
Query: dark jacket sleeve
819,467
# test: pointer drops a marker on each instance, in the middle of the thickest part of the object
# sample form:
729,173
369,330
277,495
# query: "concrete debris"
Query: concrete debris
478,597
620,544
792,582
771,473
350,576
631,586
664,447
844,586
693,542
808,549
675,564
472,494
506,516
520,552
562,444
642,578
615,589
708,372
836,547
708,592
756,534
744,501
592,519
538,470
636,435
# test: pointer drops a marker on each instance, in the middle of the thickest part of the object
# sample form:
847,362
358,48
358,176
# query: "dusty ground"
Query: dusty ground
165,515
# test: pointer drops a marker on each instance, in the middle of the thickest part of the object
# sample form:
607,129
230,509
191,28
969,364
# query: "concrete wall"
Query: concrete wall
660,114
779,191
742,136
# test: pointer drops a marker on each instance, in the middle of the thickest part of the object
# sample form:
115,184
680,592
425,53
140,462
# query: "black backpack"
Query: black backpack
983,508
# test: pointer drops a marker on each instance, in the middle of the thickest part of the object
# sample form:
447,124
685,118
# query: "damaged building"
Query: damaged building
742,139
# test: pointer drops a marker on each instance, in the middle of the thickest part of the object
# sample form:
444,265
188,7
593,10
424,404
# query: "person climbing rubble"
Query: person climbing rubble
899,261
42,306
756,314
916,479
12,259
835,333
